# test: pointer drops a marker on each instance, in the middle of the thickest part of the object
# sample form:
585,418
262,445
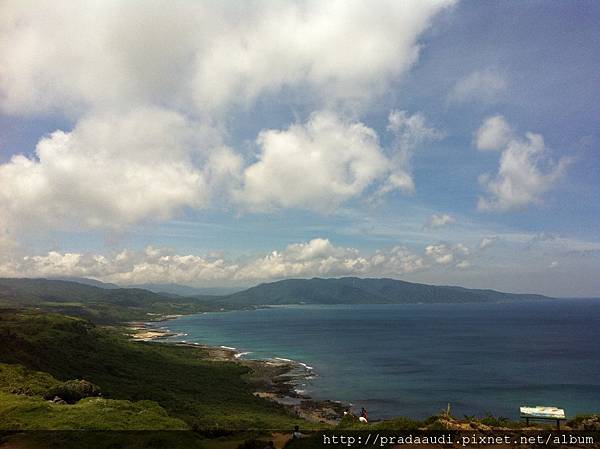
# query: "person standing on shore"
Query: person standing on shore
364,414
296,435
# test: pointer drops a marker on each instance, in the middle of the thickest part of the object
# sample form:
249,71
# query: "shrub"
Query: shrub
72,391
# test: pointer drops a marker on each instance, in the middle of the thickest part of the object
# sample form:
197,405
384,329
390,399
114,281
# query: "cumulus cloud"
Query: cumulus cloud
317,257
205,56
526,172
147,84
328,160
494,134
481,85
111,170
444,254
440,220
315,165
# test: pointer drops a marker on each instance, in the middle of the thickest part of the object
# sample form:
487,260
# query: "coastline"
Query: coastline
276,379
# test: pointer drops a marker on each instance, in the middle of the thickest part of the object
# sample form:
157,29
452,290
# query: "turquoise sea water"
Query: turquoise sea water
414,359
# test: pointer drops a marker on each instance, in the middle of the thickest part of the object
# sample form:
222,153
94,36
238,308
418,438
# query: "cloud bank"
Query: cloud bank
149,88
317,257
202,56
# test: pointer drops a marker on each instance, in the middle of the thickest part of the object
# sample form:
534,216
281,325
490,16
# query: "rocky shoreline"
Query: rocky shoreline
273,379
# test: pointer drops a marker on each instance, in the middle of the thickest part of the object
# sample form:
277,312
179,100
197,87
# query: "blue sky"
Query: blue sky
232,144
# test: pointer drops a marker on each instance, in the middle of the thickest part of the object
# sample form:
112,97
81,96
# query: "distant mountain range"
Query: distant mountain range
168,289
102,302
186,290
348,290
351,290
98,304
86,281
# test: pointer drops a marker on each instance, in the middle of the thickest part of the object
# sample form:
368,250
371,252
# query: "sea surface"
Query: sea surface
415,359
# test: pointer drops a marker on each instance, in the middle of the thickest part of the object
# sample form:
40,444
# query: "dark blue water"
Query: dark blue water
414,359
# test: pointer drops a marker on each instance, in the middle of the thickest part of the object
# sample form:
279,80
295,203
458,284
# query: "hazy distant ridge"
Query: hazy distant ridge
110,304
186,290
352,290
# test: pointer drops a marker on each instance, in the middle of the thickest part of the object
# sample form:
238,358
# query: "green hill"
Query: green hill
352,290
85,281
180,387
100,305
113,305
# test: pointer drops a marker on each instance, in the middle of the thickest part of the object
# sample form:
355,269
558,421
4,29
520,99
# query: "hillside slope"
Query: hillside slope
185,381
100,305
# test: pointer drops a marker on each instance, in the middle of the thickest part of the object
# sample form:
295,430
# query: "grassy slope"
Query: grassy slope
205,394
34,413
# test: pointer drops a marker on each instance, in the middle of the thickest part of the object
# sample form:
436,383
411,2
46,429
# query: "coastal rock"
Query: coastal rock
58,400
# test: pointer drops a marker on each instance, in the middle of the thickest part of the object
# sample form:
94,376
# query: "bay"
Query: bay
415,359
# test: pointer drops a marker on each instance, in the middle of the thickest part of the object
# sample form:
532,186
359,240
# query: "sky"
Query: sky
231,143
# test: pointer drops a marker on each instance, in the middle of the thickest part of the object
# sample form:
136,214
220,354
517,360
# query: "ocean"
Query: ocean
415,359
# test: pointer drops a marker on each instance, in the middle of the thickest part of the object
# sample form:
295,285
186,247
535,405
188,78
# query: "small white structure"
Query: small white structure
542,412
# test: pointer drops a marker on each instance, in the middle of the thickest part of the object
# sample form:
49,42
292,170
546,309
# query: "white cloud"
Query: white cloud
486,242
409,132
397,260
317,257
553,264
440,220
494,134
316,165
444,254
110,171
205,56
525,174
328,160
147,84
481,85
113,170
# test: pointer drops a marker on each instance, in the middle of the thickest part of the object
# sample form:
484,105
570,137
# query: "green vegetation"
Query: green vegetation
35,413
66,364
362,291
57,356
589,421
398,423
99,305
207,395
72,391
24,405
114,305
17,379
